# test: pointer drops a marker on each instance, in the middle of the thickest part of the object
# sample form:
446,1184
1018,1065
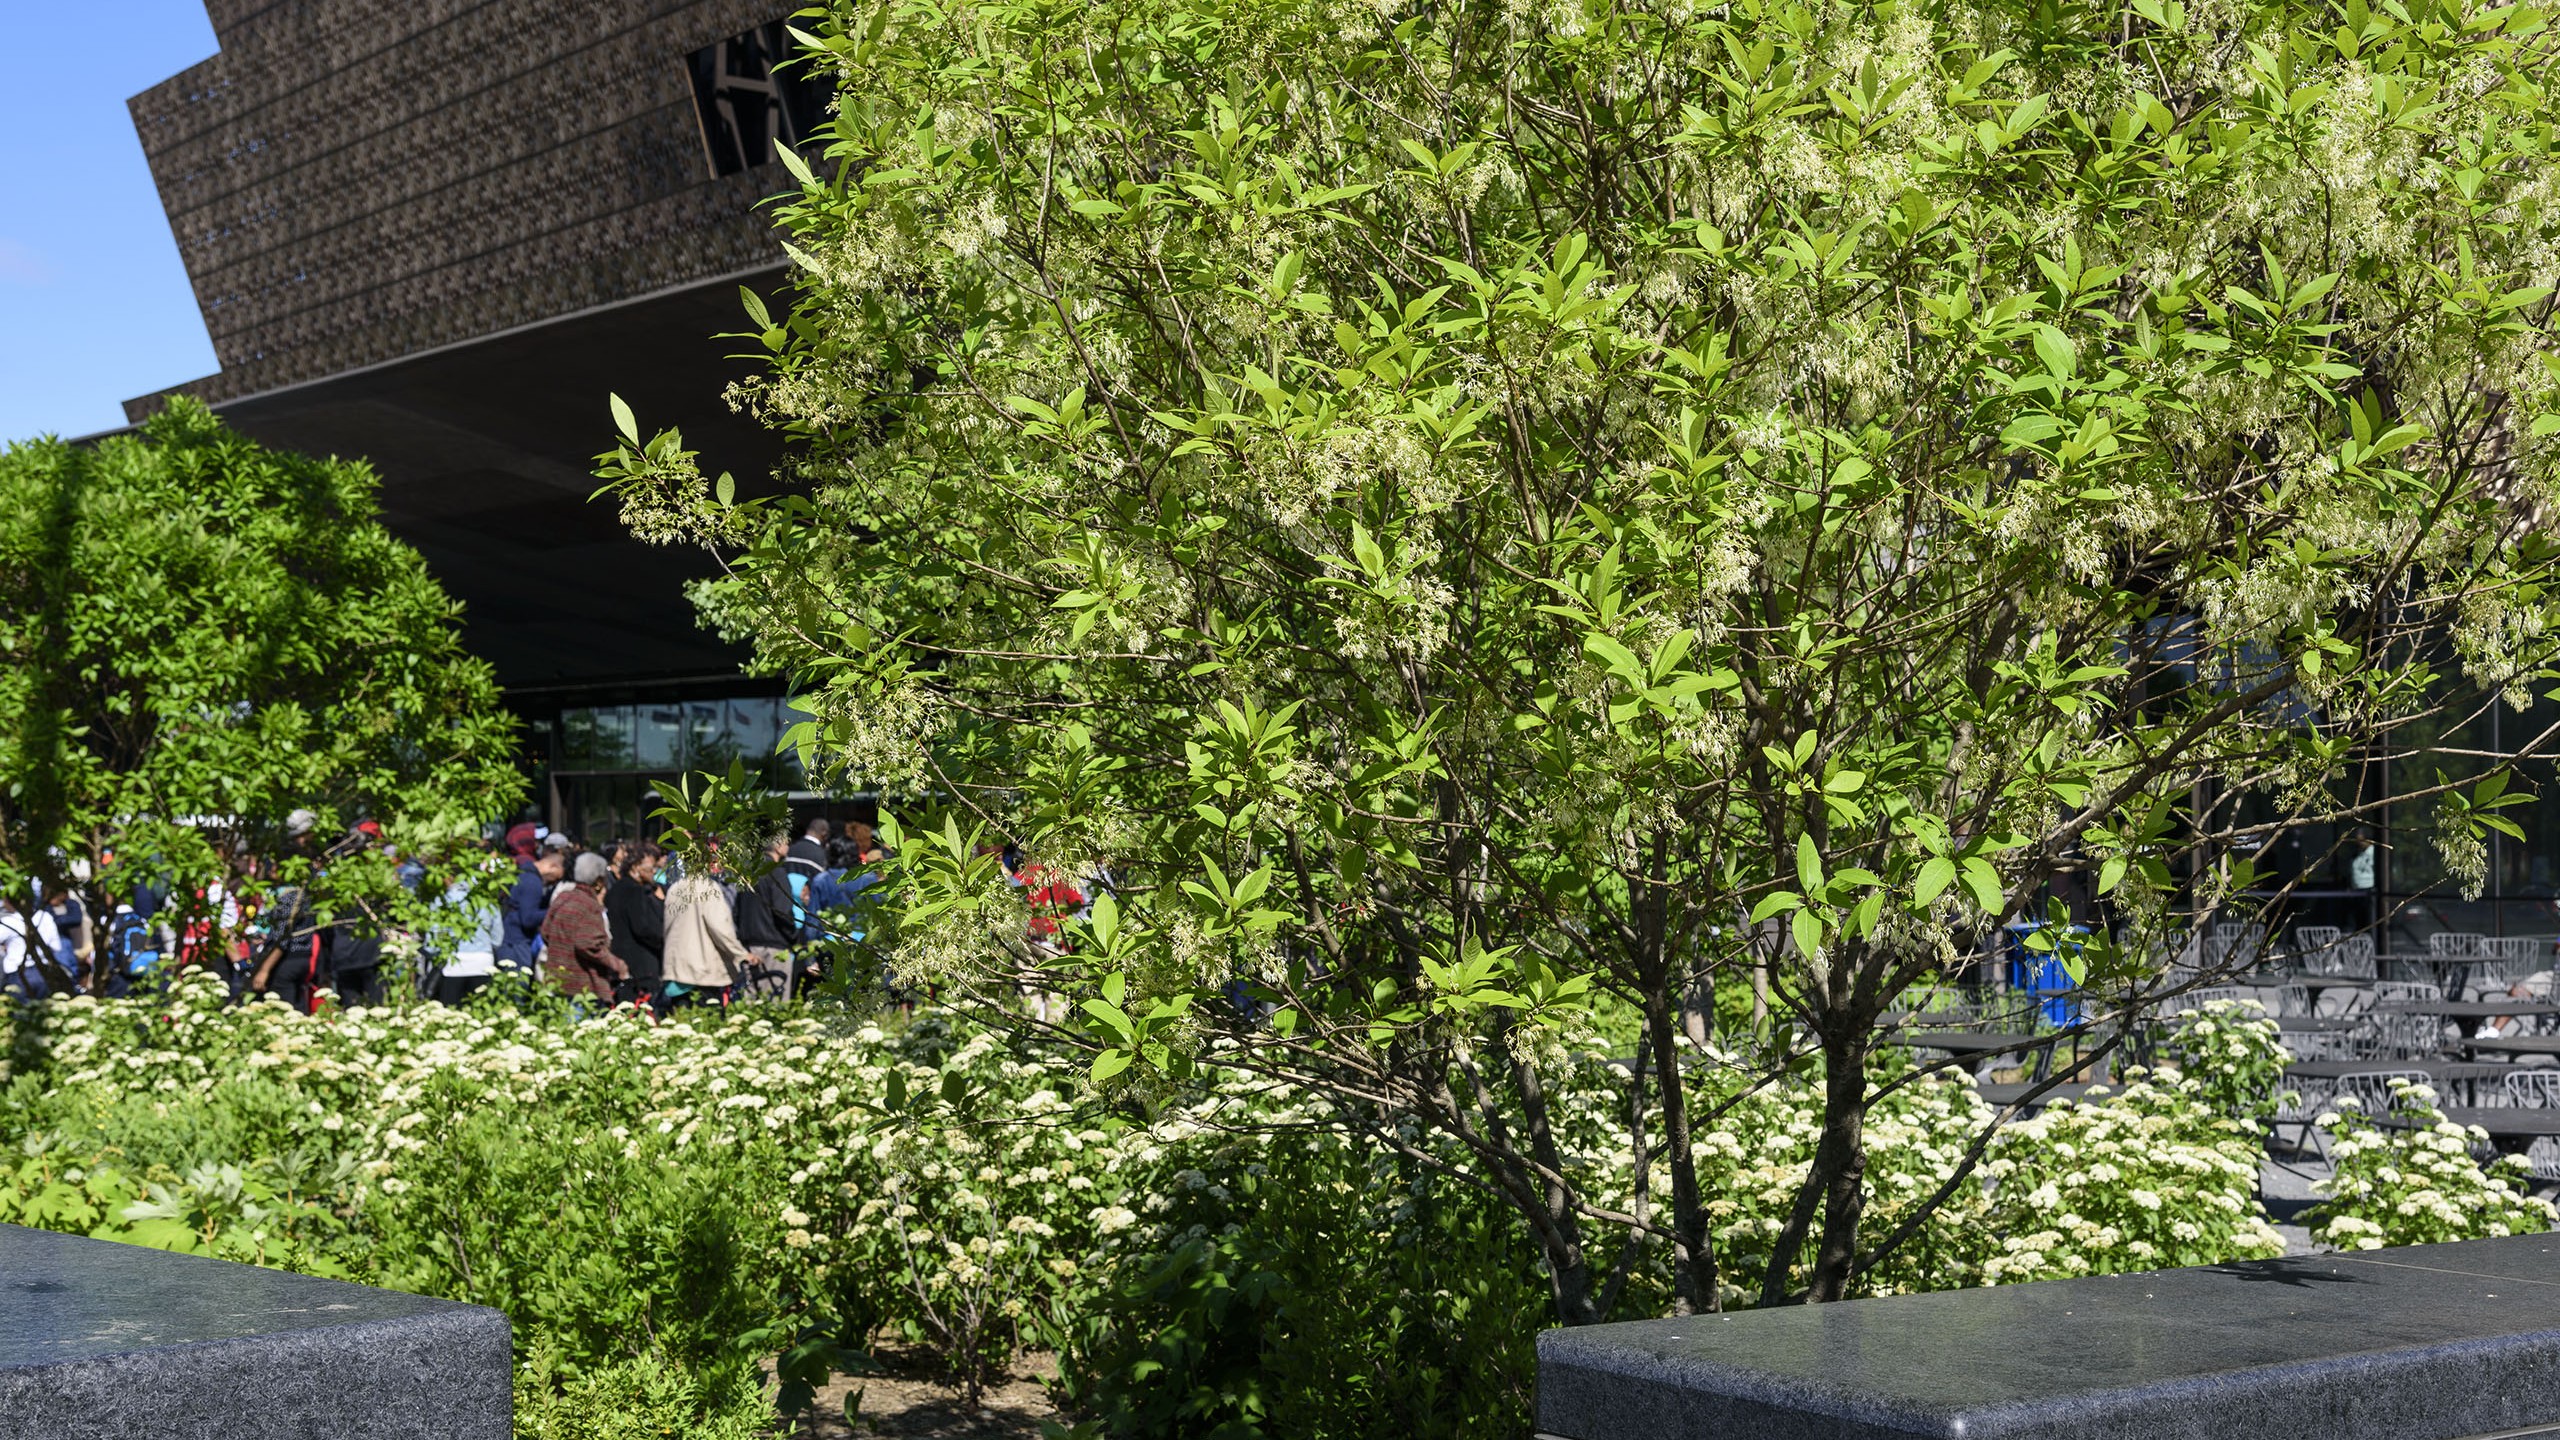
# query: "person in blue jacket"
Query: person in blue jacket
520,917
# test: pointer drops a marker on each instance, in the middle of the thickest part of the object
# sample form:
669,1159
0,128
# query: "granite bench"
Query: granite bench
114,1342
2429,1342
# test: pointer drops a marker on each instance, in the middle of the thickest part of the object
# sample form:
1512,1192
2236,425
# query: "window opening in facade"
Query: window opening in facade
610,764
752,93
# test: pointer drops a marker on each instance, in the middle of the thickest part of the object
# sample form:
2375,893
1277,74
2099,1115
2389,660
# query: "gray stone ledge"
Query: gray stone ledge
2435,1342
114,1342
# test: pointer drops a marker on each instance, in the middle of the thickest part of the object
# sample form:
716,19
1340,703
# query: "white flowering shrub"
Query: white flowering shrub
720,1187
1758,1152
2155,1176
663,1208
2409,1178
2234,1056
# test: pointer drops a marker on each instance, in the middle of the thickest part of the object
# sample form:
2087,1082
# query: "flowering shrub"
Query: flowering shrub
1755,1157
664,1208
2155,1176
2233,1054
712,1190
2413,1181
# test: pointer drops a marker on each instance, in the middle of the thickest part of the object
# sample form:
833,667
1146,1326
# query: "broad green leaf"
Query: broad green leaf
1806,928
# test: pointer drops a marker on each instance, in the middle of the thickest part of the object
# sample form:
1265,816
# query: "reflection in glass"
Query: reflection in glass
2528,917
751,727
2465,725
706,736
577,739
611,746
683,735
659,745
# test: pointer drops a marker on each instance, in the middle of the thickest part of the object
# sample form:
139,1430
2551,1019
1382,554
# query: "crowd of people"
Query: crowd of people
620,922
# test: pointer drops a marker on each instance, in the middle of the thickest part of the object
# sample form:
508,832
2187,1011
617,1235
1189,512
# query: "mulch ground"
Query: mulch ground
914,1400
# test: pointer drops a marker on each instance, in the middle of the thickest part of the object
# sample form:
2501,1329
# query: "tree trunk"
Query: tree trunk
1840,1162
1568,1264
1693,1249
1523,1179
1569,1280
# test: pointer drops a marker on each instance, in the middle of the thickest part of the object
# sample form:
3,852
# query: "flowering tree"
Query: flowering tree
1481,519
202,635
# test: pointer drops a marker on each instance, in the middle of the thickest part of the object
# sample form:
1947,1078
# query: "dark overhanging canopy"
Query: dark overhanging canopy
486,449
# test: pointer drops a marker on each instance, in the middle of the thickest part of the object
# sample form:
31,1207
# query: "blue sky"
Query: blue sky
94,306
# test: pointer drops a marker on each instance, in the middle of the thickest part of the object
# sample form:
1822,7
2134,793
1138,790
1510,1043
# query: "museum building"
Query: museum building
436,234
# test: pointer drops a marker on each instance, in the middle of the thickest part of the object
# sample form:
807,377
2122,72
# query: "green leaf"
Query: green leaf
1808,864
2061,358
1774,902
1806,927
1935,876
1983,883
1113,1019
799,168
623,420
1618,658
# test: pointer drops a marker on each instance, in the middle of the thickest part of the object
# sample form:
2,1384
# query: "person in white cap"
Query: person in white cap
289,969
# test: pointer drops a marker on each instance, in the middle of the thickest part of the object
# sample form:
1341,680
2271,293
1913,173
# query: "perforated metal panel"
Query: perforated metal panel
352,181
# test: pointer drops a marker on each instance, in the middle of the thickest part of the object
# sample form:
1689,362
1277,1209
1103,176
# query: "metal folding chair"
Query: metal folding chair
2372,1088
2199,998
2507,960
2451,957
2403,992
2533,1089
2348,957
2543,1156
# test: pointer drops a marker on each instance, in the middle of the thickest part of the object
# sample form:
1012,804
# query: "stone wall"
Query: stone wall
352,181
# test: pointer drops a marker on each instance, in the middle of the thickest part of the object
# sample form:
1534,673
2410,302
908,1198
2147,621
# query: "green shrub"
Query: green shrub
1314,1288
645,1397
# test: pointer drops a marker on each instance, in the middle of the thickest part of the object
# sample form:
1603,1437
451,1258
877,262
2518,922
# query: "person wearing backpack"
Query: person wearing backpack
130,951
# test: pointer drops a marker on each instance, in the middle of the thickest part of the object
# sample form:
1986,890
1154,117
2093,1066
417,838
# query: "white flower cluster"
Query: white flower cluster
2410,1178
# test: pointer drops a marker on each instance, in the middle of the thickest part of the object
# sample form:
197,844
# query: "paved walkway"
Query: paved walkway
2285,1185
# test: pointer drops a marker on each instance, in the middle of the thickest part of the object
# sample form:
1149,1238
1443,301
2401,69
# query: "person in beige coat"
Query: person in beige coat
703,949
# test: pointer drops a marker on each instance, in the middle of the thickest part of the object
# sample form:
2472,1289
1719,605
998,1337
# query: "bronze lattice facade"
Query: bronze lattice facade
352,181
436,234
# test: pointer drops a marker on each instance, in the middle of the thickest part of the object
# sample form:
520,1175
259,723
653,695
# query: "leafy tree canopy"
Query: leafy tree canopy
1471,509
198,636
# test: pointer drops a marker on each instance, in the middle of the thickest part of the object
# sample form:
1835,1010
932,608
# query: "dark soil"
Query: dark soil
914,1400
